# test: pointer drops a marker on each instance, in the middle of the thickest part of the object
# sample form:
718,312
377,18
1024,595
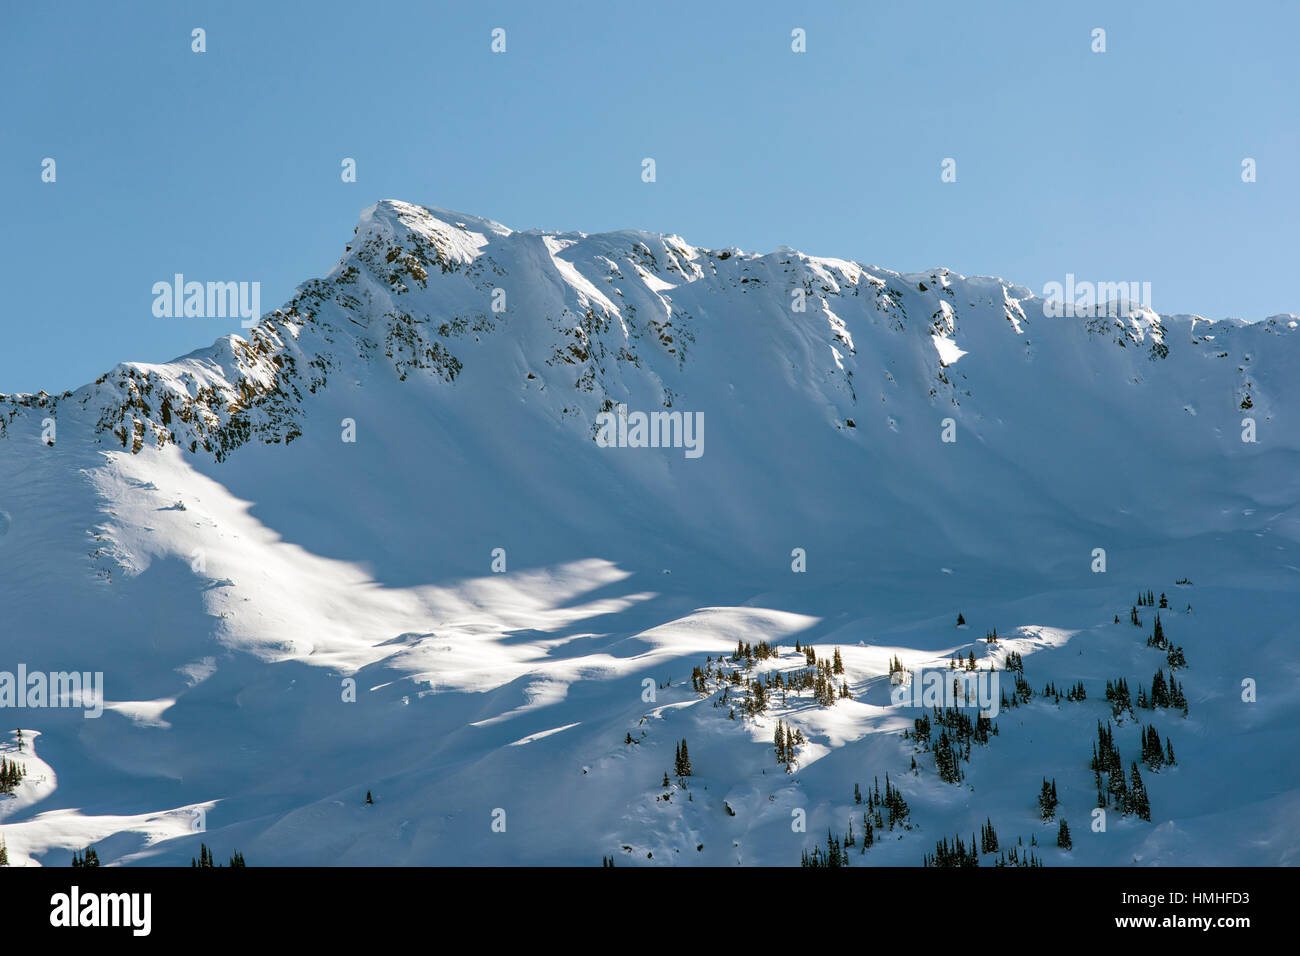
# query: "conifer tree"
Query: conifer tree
1138,802
1063,835
1047,799
683,764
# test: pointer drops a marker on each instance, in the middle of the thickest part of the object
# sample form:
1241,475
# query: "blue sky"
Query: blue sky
225,165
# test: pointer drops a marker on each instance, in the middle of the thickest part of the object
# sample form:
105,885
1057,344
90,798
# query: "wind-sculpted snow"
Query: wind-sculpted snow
378,545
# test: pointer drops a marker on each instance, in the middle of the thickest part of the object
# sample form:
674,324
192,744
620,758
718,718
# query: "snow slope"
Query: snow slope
201,533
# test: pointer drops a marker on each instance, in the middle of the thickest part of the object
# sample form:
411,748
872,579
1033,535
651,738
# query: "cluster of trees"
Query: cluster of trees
1017,858
87,858
1154,755
205,860
822,676
991,637
988,837
819,677
956,733
968,664
1020,695
786,743
836,855
1128,797
1118,695
954,855
750,653
869,827
873,819
896,670
1164,693
1075,693
892,801
1149,599
699,683
11,774
1173,653
947,761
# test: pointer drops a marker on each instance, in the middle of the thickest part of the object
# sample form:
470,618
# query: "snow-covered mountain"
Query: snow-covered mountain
399,483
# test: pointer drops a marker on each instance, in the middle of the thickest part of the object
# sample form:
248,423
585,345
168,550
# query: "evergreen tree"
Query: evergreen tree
1063,835
682,761
946,760
204,861
960,620
1047,799
988,838
1138,802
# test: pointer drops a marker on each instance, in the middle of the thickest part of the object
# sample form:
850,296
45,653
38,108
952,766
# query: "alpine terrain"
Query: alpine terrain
526,547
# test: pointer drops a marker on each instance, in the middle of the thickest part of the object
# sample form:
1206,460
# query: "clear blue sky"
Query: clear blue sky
226,165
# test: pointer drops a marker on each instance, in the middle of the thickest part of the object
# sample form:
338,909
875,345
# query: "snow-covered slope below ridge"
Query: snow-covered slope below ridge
201,533
651,322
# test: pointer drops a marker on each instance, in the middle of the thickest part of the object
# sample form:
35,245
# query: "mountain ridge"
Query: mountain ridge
218,397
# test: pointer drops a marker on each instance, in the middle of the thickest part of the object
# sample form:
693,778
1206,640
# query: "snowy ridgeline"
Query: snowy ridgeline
522,547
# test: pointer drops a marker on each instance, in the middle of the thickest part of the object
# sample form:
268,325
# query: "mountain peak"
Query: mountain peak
583,323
